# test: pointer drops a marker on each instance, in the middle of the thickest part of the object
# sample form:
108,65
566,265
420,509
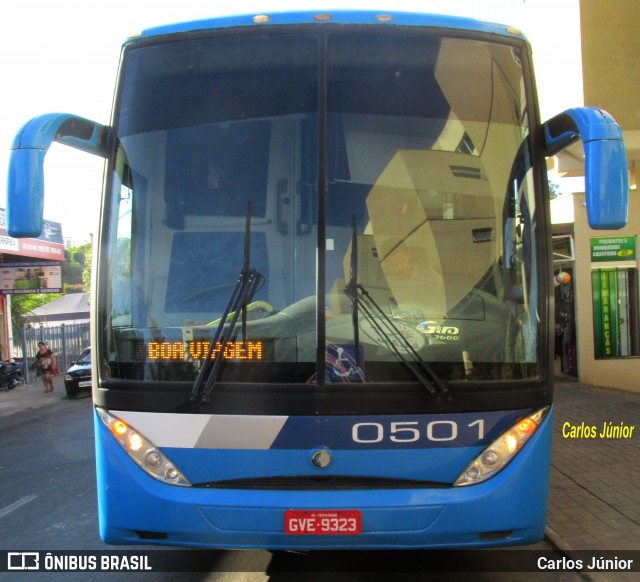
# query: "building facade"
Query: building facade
27,266
603,290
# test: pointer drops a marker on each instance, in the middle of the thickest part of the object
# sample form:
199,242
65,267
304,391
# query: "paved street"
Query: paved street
594,497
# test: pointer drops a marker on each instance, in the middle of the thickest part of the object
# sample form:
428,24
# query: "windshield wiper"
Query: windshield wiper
249,281
387,330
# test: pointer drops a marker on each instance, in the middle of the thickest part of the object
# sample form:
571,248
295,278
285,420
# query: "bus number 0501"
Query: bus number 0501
370,433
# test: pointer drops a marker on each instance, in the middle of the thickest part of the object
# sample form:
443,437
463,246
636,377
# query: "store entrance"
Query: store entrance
565,323
566,353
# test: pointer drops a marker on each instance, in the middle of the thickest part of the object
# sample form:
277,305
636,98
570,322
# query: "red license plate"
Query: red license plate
322,522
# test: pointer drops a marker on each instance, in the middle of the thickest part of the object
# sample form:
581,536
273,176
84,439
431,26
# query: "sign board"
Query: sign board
613,249
49,245
30,277
605,316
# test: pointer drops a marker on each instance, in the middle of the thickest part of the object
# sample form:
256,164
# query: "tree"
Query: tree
554,190
86,272
25,303
76,261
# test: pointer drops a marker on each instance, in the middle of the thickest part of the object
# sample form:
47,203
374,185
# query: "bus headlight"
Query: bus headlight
499,453
143,452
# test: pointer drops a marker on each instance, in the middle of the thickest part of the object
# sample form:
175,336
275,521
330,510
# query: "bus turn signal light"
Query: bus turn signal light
499,453
118,428
142,451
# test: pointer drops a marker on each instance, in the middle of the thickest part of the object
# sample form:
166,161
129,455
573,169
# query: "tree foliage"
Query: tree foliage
554,190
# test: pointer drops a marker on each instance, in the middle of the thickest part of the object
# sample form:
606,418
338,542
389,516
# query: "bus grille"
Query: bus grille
334,482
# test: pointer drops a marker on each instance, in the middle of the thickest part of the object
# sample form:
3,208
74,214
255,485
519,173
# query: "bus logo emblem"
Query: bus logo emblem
321,458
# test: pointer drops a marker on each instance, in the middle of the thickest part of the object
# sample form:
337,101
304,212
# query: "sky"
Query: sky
62,56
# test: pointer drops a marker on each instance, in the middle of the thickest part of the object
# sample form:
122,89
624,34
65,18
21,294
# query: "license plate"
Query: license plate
84,384
322,522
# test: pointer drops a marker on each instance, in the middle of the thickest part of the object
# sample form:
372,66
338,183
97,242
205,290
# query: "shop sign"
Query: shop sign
30,277
605,313
613,249
49,245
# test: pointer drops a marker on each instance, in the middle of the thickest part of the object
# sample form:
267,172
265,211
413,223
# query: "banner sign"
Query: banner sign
614,249
605,313
30,277
49,245
581,562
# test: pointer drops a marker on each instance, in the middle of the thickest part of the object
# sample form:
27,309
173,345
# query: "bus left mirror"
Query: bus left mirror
605,162
25,182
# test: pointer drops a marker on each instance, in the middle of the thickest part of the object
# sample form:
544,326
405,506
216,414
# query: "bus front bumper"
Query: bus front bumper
508,509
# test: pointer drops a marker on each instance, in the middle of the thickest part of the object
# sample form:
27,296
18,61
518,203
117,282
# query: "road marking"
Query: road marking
9,508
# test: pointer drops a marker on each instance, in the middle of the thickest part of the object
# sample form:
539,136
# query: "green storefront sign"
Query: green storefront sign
605,313
613,249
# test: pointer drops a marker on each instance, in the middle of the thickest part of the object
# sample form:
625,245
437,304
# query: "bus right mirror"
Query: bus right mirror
605,162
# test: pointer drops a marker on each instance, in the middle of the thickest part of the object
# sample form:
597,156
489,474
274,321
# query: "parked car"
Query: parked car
78,377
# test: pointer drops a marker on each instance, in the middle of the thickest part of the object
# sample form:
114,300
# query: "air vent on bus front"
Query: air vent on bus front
330,482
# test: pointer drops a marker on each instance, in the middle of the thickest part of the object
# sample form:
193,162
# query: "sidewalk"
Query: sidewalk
594,494
30,396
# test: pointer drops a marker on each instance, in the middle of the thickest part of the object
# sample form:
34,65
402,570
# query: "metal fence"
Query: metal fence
65,341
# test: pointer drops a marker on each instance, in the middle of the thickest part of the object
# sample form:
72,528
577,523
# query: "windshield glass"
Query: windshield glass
384,181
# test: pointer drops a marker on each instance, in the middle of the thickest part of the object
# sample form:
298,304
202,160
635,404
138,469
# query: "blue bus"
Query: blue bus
322,282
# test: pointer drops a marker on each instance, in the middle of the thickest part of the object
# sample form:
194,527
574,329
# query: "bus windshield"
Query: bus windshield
380,187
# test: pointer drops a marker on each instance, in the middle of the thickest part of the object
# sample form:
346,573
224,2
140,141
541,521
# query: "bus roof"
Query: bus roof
268,19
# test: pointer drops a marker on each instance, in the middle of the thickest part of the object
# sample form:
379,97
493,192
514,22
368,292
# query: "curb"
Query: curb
554,539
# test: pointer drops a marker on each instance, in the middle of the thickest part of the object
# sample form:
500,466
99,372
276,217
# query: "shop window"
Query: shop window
615,313
563,249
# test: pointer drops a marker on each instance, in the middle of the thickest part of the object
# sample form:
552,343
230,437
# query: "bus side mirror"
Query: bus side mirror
25,181
605,169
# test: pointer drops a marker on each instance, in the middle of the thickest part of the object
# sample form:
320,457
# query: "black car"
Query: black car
78,377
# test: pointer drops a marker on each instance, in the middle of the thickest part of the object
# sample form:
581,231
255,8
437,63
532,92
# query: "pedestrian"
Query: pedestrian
45,365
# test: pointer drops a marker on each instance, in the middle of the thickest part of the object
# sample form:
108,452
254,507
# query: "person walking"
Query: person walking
45,365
